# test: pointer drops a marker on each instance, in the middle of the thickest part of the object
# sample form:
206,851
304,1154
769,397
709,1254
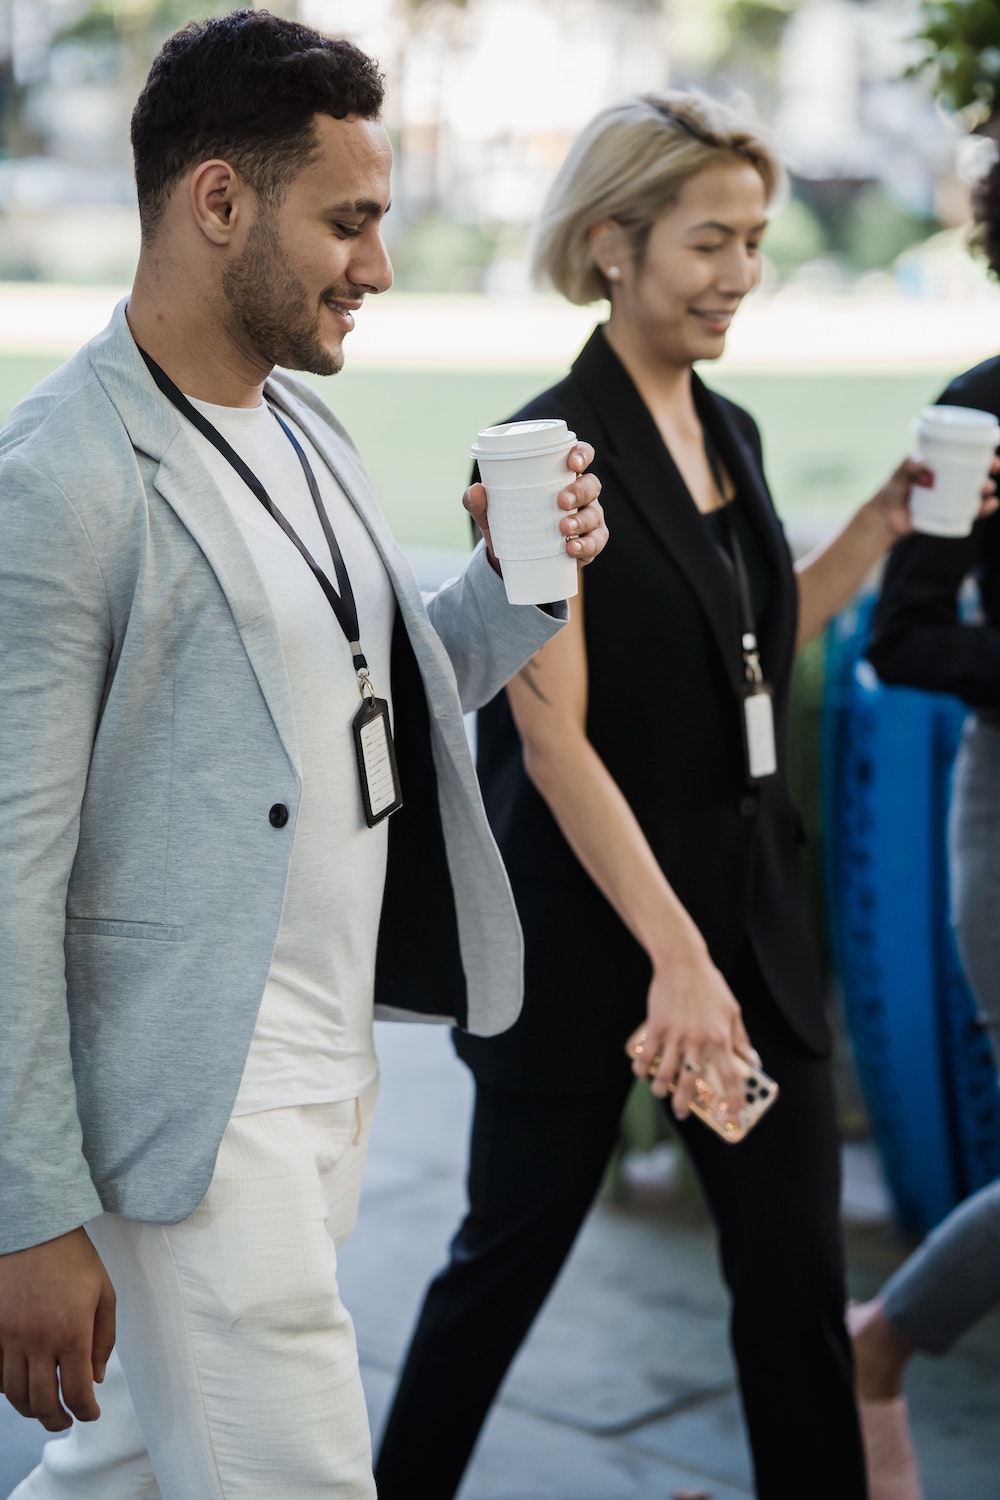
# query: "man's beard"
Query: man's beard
271,306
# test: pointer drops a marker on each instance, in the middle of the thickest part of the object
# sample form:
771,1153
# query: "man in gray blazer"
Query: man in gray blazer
219,683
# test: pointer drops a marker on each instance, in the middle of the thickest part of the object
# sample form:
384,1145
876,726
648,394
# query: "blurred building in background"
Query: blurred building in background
484,97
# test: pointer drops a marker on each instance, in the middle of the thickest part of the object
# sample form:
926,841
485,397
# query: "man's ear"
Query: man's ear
218,197
609,247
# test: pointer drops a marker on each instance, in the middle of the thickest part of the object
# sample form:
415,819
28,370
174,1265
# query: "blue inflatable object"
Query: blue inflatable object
925,1067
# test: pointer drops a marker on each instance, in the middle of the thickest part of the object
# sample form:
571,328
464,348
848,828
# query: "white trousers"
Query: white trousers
238,1375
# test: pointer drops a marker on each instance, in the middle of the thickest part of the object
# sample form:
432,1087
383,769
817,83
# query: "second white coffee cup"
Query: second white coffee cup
958,443
523,466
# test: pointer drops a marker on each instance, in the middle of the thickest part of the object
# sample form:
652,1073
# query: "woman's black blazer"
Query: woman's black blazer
664,713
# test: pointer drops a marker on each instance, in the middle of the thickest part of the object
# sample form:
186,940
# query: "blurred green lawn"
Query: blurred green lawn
829,436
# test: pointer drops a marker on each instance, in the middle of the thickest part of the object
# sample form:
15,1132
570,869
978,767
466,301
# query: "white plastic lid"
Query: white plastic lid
958,424
523,439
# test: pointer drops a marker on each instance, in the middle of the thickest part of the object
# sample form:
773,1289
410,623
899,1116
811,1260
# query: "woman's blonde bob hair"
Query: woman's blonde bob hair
629,164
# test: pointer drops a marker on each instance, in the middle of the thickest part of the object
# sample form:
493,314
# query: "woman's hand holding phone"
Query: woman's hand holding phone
693,1043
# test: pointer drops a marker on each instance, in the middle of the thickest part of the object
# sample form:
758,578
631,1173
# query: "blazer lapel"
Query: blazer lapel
348,469
777,647
344,463
631,450
184,483
157,430
189,490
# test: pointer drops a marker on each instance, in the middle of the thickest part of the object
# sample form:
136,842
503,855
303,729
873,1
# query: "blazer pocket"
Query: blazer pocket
110,927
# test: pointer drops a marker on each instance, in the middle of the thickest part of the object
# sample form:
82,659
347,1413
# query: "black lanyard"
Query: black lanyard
343,603
751,652
378,773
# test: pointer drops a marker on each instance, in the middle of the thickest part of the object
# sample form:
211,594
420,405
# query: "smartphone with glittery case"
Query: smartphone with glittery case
759,1092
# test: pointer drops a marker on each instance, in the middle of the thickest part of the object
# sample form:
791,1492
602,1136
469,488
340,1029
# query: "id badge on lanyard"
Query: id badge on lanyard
377,770
760,753
758,731
378,774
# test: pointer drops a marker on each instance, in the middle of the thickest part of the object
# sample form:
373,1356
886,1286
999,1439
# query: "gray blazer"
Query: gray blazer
146,732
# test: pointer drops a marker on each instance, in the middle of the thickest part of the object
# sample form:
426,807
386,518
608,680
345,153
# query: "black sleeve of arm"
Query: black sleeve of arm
918,639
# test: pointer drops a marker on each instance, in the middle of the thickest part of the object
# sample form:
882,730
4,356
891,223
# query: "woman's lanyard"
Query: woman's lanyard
760,754
377,770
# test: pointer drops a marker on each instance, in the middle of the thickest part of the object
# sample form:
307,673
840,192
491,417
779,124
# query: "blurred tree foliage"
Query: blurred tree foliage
141,25
440,255
739,46
875,230
756,28
961,61
794,236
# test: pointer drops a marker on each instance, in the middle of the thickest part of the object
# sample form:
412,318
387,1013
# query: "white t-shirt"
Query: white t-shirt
313,1038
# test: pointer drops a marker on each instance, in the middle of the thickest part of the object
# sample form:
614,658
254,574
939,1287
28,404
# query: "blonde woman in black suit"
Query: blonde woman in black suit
619,789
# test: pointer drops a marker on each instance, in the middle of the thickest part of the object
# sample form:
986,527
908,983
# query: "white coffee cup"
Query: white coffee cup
523,466
957,443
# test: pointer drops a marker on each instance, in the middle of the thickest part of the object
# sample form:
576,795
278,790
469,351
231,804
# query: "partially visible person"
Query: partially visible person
935,1296
209,641
920,640
630,804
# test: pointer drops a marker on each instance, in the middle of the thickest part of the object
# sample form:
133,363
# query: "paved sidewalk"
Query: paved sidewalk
625,1390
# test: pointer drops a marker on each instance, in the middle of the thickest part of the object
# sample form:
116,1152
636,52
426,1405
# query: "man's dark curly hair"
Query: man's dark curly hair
244,87
985,236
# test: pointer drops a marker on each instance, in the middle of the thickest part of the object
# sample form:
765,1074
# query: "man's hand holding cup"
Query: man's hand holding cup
537,528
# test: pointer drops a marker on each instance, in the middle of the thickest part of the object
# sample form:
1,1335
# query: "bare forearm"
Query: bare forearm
690,1011
689,1008
830,575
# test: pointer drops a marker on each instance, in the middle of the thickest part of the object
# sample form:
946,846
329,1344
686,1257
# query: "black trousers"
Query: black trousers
536,1162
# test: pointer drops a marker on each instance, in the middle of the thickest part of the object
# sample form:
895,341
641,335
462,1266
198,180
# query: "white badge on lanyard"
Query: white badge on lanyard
758,731
759,749
759,746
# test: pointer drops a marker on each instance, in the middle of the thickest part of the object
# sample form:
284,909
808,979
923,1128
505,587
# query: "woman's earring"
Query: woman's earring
613,273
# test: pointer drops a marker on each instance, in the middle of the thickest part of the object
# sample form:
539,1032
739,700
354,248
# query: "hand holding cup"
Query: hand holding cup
539,523
956,447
